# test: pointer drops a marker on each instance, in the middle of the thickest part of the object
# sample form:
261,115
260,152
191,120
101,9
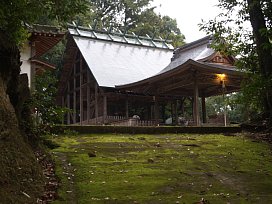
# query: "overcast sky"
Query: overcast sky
188,14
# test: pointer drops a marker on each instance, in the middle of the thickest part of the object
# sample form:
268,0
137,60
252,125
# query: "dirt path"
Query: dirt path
68,172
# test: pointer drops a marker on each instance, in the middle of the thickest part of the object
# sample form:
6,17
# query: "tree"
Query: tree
19,170
16,12
43,99
244,30
133,16
163,26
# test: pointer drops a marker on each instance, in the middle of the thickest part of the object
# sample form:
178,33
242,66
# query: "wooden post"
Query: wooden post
176,112
68,103
68,106
105,109
172,113
96,101
152,110
156,110
196,105
163,113
81,111
127,114
204,114
88,96
74,95
182,105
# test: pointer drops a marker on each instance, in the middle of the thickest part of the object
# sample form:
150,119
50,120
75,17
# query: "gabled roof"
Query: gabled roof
194,61
197,50
44,37
116,59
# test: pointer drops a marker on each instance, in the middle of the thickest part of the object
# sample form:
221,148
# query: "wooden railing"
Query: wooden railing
136,122
118,121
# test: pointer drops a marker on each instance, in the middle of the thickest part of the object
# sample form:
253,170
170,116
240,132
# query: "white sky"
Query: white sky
188,14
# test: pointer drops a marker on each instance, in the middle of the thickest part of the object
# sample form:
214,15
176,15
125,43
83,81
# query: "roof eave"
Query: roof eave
181,68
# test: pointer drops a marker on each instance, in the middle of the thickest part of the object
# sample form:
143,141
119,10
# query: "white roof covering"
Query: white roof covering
116,63
196,50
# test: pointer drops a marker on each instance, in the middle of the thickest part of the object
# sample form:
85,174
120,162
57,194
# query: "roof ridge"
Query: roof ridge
195,43
121,37
39,28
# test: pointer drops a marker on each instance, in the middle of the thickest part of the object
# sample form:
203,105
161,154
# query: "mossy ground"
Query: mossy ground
163,169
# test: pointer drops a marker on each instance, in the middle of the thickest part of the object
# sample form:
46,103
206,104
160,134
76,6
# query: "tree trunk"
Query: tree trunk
19,170
264,51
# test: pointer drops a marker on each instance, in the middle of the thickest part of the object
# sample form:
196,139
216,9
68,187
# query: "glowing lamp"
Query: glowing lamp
221,77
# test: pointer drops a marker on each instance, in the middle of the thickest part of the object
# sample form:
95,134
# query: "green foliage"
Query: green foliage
133,16
237,111
47,112
14,13
234,36
163,26
54,56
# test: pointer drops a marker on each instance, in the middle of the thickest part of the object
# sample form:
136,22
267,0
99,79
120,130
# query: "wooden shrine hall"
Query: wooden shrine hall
41,39
110,77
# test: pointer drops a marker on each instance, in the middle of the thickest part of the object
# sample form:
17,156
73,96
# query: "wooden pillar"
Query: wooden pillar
196,104
96,100
152,109
68,103
105,111
68,106
172,112
204,113
156,110
75,99
163,112
88,96
176,112
127,114
81,111
182,105
192,106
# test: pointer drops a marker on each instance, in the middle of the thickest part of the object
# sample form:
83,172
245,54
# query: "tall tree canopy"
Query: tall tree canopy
135,16
244,29
14,13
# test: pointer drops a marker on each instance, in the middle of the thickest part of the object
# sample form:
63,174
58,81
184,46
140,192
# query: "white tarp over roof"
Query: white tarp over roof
113,63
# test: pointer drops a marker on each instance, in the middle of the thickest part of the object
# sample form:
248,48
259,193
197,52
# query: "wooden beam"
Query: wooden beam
175,86
177,80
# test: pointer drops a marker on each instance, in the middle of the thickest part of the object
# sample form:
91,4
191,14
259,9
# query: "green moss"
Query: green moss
184,168
146,130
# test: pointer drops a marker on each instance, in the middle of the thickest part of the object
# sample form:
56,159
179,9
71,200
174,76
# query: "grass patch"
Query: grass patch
172,168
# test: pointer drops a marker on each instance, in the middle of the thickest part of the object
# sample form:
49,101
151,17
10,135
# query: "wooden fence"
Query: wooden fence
118,121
